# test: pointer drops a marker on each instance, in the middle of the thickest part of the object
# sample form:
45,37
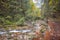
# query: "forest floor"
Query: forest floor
14,33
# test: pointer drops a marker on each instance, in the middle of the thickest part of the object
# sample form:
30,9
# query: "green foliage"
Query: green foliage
21,21
17,12
12,11
51,8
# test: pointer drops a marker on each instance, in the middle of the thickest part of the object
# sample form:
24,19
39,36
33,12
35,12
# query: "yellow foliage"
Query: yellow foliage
33,6
35,11
39,14
50,3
